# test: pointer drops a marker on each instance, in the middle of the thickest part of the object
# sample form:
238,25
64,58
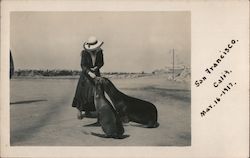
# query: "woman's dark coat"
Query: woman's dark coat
84,95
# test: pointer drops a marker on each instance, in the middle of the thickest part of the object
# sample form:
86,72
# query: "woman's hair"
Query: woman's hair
82,53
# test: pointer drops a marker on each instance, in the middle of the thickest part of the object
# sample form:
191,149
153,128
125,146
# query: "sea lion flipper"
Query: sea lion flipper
152,125
99,135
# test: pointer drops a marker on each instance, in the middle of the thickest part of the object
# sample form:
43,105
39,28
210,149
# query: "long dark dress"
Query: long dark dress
84,95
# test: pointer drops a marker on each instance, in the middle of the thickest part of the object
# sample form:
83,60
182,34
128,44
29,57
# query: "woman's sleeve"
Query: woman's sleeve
83,64
100,61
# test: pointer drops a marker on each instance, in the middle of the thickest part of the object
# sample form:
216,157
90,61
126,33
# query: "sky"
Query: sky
133,41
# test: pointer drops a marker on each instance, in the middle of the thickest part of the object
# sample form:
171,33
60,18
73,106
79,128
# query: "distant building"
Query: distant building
169,69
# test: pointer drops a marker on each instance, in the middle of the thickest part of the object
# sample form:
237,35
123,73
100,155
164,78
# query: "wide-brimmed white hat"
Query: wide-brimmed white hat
92,43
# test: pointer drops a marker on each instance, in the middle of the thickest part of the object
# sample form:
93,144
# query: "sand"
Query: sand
41,114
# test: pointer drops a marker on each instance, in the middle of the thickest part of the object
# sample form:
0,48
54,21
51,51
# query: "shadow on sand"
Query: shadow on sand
27,101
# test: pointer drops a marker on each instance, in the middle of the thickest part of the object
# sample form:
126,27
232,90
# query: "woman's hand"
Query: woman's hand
91,74
93,69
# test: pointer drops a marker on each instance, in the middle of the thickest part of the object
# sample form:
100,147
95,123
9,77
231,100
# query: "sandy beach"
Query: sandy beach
41,113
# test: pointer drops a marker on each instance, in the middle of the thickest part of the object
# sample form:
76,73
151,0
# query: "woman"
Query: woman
91,62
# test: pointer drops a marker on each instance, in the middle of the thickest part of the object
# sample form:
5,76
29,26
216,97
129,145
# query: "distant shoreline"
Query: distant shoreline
132,75
45,77
75,74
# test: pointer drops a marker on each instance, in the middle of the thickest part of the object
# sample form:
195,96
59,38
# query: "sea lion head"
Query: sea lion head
98,86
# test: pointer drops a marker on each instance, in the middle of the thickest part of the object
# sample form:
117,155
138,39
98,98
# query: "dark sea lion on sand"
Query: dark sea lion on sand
108,118
130,108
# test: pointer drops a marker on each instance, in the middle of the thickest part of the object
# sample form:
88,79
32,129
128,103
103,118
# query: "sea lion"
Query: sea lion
130,108
107,116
